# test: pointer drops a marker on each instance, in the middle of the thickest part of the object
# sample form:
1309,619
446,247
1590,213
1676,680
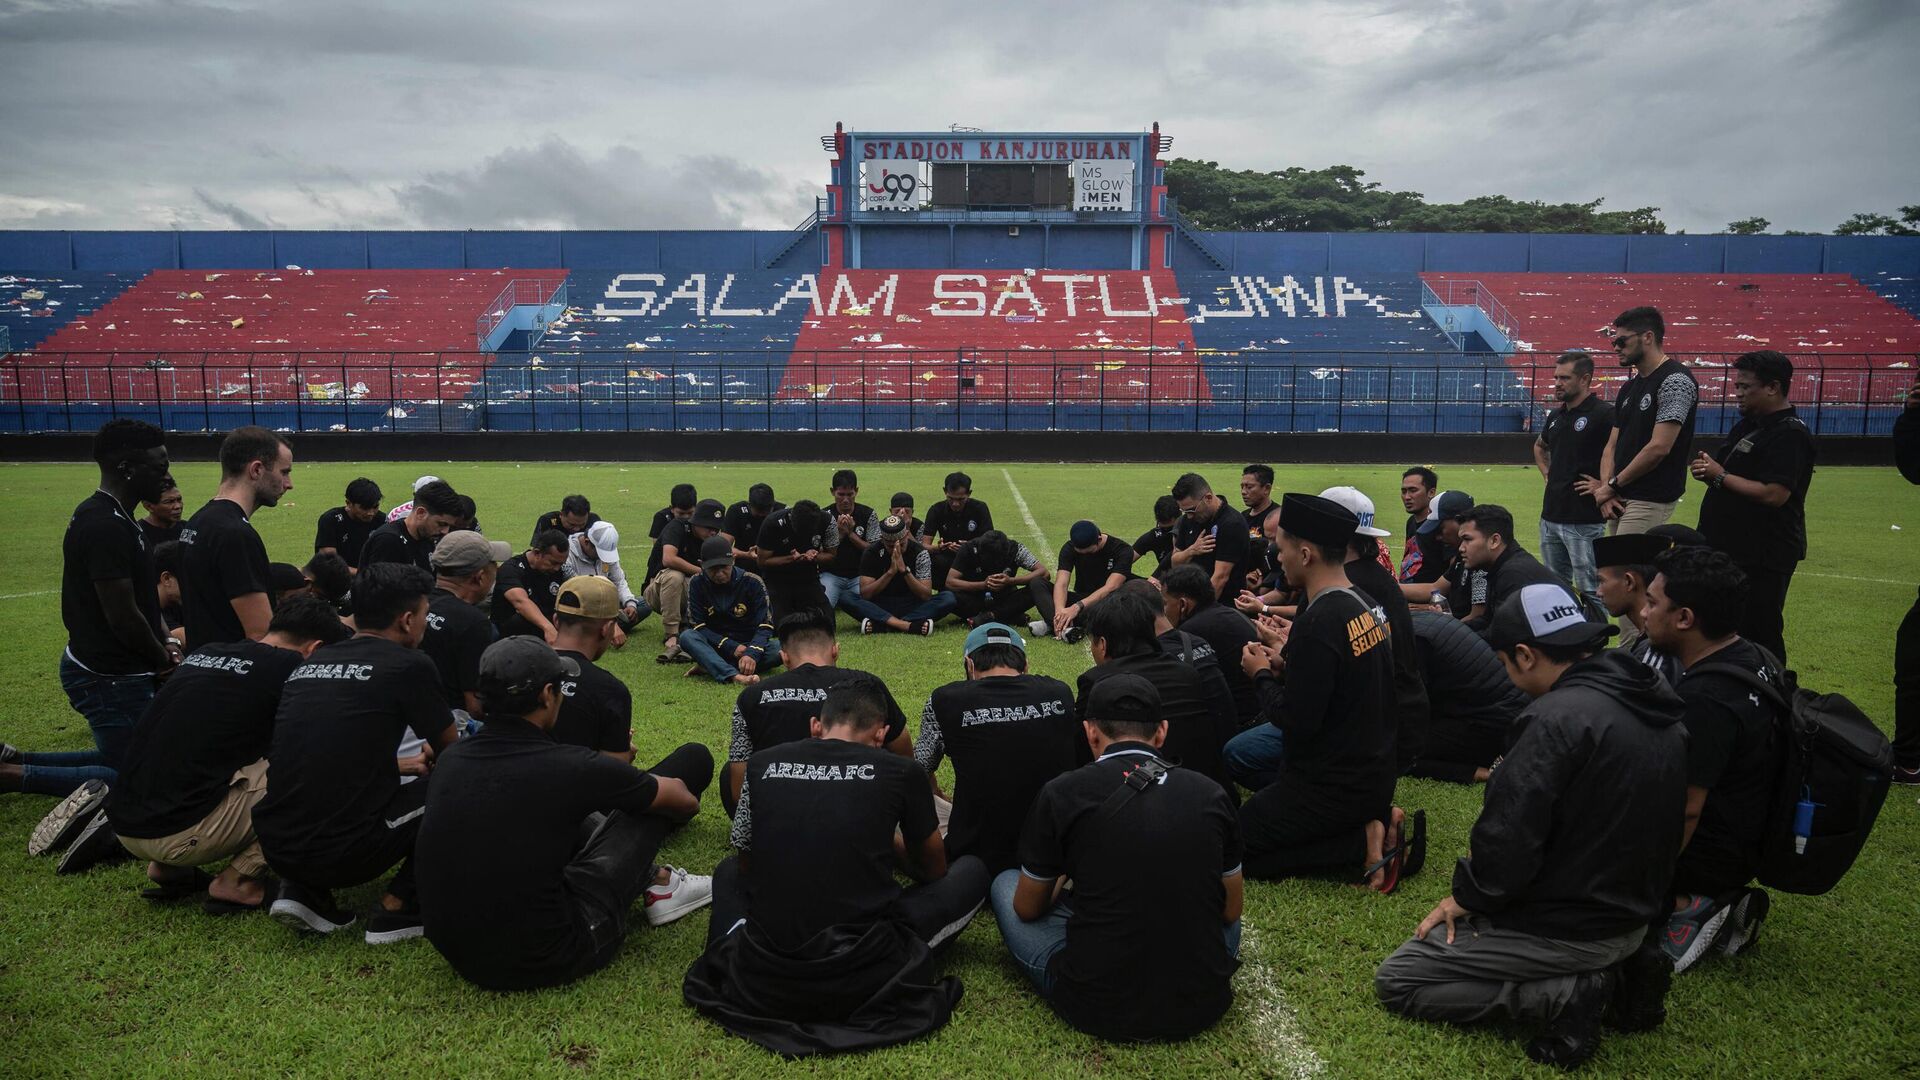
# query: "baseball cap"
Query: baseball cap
606,542
892,525
1356,500
1681,535
715,551
285,576
993,633
1083,533
708,514
424,481
1316,520
466,551
1446,506
518,666
1124,699
1547,615
1628,549
901,498
589,596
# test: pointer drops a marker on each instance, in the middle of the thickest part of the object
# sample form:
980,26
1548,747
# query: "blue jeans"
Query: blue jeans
1567,550
111,704
1034,943
1253,756
704,646
838,587
937,606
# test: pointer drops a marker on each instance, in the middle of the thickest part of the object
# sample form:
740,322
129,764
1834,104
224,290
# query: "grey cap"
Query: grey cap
715,551
466,551
519,666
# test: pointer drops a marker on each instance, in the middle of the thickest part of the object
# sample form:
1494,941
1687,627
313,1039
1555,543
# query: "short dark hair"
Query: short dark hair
1191,486
1262,473
683,497
438,497
1428,478
1640,320
1126,729
1166,508
806,627
166,557
308,618
118,438
1490,518
1125,622
1643,572
955,481
998,654
562,620
992,550
548,540
1581,360
1565,654
1362,546
364,492
382,592
329,574
1191,583
245,445
843,478
1768,366
1335,554
1706,582
576,504
1141,587
760,496
857,704
468,512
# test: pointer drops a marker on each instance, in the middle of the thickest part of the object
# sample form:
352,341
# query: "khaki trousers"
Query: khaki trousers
226,831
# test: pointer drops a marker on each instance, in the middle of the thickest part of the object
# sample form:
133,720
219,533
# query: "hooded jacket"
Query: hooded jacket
1583,819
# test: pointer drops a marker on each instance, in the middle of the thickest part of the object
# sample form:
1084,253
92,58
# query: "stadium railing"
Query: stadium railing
896,390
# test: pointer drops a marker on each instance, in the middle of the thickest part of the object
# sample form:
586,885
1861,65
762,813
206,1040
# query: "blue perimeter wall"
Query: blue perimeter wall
1288,253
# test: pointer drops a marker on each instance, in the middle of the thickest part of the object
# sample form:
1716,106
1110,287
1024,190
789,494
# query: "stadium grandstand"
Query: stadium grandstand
986,281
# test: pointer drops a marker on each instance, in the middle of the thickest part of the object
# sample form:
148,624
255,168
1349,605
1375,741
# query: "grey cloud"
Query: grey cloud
233,212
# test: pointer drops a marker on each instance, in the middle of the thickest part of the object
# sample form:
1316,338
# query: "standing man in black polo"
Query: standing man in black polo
1906,642
165,518
436,507
1755,508
1094,564
953,522
742,524
225,586
1572,438
794,544
1212,536
1643,471
465,565
858,528
343,530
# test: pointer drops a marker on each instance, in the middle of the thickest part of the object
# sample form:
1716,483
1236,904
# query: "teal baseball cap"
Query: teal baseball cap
994,633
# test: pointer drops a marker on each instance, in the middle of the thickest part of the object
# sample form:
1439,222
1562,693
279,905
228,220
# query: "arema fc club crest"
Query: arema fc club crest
1580,424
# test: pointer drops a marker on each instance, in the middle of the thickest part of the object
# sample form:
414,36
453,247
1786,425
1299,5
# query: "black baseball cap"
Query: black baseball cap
1124,699
708,514
517,667
715,551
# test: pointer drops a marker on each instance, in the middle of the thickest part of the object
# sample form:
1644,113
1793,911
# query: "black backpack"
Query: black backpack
1833,757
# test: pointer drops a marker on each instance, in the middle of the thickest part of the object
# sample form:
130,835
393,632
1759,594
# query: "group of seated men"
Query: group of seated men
1248,714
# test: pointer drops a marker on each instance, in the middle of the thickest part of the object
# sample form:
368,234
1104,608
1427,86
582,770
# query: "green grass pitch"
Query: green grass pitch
95,982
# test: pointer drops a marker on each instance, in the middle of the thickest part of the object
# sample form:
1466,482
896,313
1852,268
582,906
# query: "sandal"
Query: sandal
1392,860
1416,845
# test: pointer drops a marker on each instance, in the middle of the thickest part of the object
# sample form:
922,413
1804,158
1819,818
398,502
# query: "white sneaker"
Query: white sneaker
68,817
682,895
1038,628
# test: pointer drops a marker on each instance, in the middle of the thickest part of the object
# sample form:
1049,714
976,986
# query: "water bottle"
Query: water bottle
1440,603
1803,821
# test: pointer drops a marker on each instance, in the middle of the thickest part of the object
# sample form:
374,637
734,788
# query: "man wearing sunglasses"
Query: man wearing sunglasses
1643,470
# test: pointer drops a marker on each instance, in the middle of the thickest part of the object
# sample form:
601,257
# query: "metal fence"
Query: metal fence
898,390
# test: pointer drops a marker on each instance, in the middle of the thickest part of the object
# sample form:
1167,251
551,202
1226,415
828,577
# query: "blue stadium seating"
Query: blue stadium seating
34,306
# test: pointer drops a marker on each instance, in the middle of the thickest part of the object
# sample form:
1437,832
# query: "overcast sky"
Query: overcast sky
603,114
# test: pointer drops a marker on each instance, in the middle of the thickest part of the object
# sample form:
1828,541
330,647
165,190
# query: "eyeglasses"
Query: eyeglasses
1620,341
1189,511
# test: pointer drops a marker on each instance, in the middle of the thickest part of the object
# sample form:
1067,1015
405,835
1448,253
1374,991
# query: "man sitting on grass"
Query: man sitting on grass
535,890
730,630
1144,943
996,579
896,585
1094,564
1122,636
1546,921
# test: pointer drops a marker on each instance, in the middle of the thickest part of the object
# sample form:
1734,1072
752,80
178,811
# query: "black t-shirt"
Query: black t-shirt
551,520
1733,753
777,710
348,538
155,535
598,710
969,522
678,532
1466,588
1145,956
1091,572
1008,736
1670,394
103,544
1157,542
1338,706
392,543
1424,556
1775,449
1226,631
492,871
213,717
818,816
1229,529
743,525
969,566
875,560
846,554
341,718
1198,722
457,633
1410,697
222,559
542,587
782,535
1575,438
1257,522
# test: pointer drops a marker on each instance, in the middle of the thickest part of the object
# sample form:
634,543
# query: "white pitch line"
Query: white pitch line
24,595
1033,527
1850,577
1276,1029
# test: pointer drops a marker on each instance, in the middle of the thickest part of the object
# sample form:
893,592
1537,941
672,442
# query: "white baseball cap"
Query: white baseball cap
606,541
423,482
1355,500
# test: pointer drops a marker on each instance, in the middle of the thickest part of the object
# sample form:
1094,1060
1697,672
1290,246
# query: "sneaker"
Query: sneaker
868,626
1039,628
923,627
386,927
1691,930
1902,774
682,895
10,754
1640,995
1573,1036
308,909
96,845
1073,635
68,817
1743,924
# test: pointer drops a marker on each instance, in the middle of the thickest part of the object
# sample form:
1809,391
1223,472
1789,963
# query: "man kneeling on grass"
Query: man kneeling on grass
534,890
1573,851
1144,945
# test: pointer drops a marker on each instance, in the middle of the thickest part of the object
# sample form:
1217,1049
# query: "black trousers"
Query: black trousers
1764,621
786,595
934,910
1290,830
1456,747
1009,606
388,839
1906,690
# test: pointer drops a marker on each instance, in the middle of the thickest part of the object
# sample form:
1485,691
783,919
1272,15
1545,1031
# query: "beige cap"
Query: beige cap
466,551
589,596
